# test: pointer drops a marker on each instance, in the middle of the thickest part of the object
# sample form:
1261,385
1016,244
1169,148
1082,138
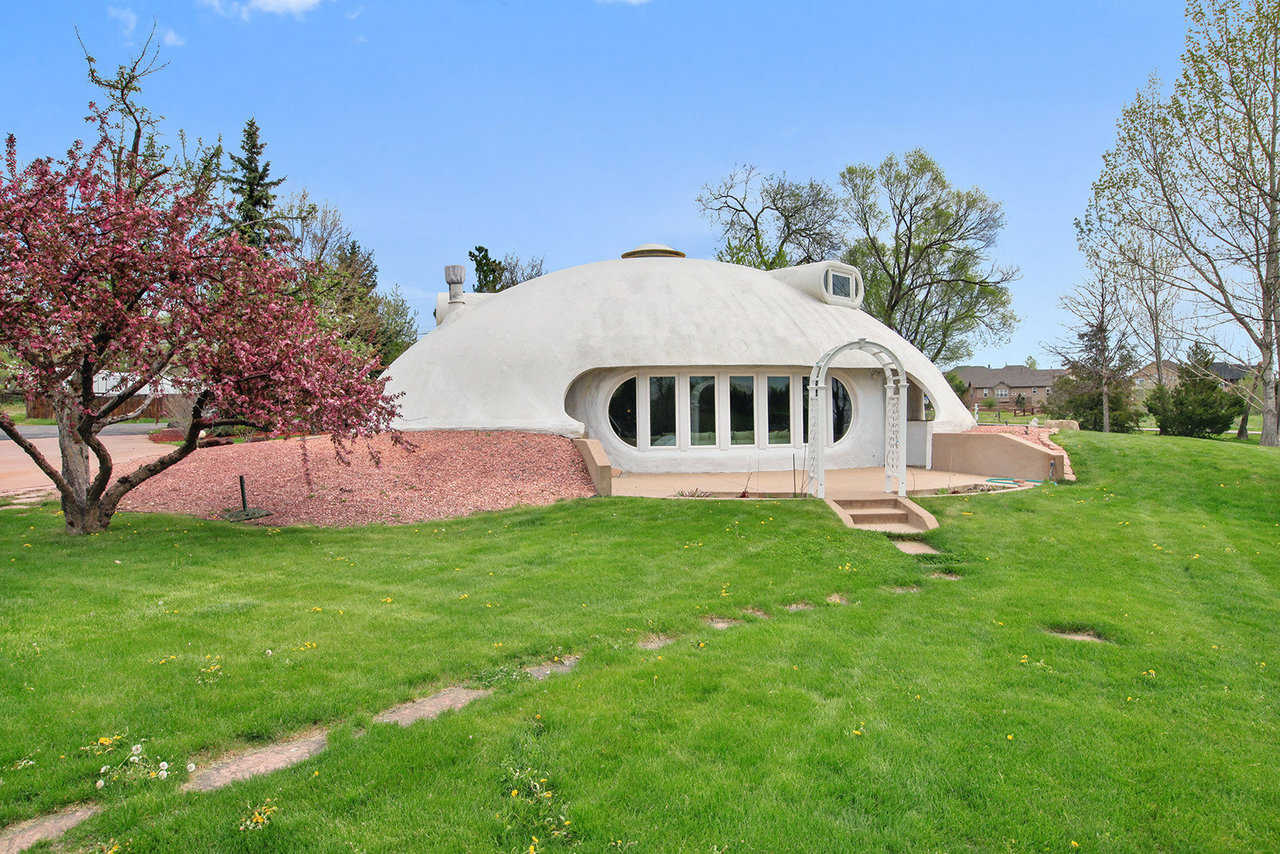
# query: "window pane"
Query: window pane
804,407
662,412
779,410
840,285
742,410
702,410
622,412
841,409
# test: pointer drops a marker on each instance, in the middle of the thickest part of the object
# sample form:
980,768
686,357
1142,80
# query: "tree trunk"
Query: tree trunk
1270,433
81,512
1106,408
1157,345
89,518
75,463
1243,431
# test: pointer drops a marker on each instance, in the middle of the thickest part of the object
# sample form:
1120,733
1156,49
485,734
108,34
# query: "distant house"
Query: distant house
1144,379
1147,378
1229,374
1004,385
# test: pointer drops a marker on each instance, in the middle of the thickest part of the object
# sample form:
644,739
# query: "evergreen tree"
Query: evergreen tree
250,182
489,271
1199,406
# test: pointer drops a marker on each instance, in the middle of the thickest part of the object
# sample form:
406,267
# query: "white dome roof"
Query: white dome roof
506,361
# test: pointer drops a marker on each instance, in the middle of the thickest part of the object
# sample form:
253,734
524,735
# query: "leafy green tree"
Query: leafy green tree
1020,402
1199,406
771,221
253,188
493,276
1192,180
924,250
396,329
1080,398
342,282
958,385
1030,362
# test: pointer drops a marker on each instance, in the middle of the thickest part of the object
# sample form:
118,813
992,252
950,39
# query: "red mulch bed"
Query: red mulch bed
447,473
1039,435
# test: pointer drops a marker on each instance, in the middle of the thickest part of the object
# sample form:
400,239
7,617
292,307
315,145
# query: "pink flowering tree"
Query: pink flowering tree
114,270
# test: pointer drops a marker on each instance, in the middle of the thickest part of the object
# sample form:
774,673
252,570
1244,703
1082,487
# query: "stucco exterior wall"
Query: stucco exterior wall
514,360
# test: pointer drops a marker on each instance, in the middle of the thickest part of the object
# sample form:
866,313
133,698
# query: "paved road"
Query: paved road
50,431
18,473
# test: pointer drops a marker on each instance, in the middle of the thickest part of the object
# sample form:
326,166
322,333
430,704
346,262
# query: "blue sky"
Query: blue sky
576,129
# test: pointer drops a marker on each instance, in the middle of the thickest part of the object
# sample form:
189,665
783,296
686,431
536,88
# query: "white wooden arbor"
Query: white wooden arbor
895,417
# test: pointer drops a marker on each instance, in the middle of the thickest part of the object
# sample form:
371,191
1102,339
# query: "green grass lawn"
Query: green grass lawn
18,412
942,720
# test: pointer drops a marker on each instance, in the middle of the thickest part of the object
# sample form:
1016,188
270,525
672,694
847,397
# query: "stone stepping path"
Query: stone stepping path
755,612
555,665
837,599
264,760
284,754
430,707
1086,635
915,547
722,623
906,588
243,765
655,642
798,606
24,835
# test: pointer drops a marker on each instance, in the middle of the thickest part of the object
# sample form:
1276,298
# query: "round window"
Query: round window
841,409
622,411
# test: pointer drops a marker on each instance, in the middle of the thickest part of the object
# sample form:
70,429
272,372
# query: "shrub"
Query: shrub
1199,406
1081,400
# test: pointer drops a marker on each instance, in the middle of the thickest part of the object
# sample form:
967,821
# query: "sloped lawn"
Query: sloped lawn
943,719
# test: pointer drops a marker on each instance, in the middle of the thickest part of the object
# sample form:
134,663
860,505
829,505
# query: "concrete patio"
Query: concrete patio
841,483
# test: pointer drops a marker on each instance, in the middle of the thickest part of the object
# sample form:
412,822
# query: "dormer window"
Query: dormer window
841,285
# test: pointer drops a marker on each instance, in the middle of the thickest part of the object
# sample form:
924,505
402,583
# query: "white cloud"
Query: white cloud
235,8
283,7
127,17
171,38
355,13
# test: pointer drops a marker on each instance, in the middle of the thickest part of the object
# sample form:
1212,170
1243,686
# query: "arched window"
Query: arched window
622,411
841,408
678,410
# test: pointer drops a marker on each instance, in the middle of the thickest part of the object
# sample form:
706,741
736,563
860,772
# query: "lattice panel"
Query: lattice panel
893,449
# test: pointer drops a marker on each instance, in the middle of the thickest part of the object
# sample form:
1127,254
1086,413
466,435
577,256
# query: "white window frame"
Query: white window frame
1002,392
760,393
856,287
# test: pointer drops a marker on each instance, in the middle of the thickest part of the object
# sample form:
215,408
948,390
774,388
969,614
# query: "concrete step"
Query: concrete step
890,501
876,515
890,514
